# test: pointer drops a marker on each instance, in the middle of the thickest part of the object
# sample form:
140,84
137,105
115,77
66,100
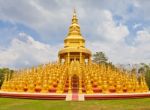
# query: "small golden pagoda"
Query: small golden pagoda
72,74
74,45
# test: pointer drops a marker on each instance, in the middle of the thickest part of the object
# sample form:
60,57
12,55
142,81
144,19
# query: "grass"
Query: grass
27,104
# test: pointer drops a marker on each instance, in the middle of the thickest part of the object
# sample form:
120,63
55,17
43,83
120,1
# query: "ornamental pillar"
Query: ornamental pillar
80,57
89,60
68,58
59,59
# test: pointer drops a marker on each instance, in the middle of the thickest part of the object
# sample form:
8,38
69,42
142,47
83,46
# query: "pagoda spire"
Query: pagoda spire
74,28
74,18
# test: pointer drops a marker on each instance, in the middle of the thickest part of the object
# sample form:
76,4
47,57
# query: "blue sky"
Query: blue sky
32,31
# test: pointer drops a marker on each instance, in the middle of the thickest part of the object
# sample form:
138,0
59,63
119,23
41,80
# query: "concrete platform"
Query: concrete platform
82,97
46,96
116,96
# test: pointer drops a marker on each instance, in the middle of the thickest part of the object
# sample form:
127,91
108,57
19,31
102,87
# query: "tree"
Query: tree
147,77
1,78
99,58
145,69
4,71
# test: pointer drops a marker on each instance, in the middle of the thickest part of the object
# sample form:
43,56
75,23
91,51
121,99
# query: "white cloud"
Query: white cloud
135,26
50,17
108,29
143,37
36,16
33,13
121,52
24,51
47,17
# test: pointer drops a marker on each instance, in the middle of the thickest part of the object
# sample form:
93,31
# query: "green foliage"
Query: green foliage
1,78
99,58
147,77
4,71
145,69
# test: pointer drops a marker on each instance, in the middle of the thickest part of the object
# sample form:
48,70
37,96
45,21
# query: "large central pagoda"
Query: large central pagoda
74,45
72,74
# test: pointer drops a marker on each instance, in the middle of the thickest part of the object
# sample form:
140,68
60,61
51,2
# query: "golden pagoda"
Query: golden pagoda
72,74
74,45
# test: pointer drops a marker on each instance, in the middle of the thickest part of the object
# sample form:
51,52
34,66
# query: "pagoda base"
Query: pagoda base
116,96
46,96
54,96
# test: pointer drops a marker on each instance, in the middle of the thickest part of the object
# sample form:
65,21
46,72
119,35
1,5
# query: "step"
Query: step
75,97
81,97
68,97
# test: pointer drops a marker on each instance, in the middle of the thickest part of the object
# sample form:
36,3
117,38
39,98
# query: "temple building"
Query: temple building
74,73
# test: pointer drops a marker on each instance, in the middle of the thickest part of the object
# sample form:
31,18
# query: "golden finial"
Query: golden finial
74,11
74,19
74,29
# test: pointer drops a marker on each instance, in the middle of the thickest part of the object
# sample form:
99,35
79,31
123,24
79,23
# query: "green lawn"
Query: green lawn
26,104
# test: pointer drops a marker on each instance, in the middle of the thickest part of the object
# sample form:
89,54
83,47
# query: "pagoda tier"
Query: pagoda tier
74,78
74,45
